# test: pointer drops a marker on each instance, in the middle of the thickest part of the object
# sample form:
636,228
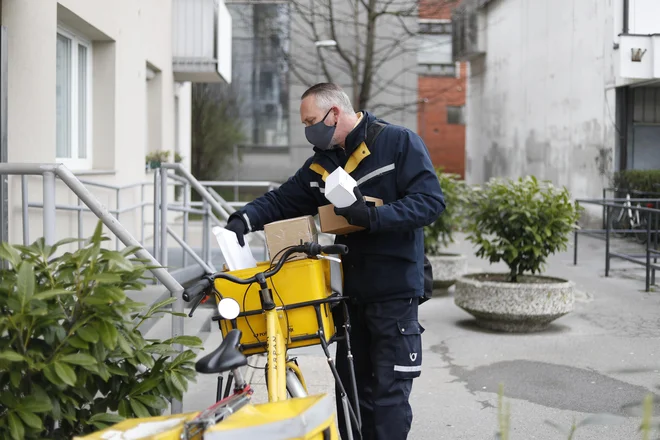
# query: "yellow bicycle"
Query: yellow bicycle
252,322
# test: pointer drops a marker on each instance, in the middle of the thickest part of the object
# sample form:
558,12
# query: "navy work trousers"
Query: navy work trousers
386,343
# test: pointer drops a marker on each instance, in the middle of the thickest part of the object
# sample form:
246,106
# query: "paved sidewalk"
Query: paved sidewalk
568,372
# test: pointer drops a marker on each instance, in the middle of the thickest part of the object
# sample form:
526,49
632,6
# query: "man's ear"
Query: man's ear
335,113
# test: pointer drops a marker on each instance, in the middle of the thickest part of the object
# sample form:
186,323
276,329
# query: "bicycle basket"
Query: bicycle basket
297,283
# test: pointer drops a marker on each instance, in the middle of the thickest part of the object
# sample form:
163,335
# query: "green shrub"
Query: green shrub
71,352
441,233
640,180
521,223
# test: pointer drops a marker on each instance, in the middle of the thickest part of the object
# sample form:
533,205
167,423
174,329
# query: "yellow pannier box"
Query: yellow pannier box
296,283
304,418
149,428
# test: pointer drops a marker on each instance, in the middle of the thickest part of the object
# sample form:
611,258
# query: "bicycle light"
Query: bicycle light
229,308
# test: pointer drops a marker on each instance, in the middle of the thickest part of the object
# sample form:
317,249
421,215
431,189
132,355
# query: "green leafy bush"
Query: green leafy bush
521,223
441,233
71,352
640,180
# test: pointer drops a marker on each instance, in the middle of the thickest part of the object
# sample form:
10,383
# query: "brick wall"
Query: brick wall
446,142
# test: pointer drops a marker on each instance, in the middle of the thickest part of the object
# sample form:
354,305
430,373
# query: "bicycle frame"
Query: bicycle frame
276,357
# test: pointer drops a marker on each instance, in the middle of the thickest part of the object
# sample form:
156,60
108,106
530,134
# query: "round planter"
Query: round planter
447,268
527,306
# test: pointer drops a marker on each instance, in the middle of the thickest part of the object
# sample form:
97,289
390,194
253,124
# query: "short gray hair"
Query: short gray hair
328,95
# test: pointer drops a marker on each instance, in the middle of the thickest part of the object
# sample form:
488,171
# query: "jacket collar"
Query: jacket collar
354,138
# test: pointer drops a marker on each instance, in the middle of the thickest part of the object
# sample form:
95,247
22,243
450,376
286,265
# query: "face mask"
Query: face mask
320,135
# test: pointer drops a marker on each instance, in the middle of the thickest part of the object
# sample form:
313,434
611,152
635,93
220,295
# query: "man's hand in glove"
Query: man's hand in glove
358,213
237,225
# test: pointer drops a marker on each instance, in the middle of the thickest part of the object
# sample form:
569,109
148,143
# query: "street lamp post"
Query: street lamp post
321,44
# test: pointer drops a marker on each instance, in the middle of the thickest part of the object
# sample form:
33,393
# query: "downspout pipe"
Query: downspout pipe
626,16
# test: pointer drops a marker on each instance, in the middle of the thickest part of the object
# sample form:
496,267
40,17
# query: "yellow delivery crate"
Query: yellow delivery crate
148,428
297,282
304,418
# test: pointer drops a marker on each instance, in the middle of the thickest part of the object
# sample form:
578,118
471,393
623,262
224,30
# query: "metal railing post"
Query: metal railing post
575,248
142,213
156,197
80,224
608,219
24,207
49,207
648,253
163,217
604,207
186,205
177,306
117,204
205,231
655,243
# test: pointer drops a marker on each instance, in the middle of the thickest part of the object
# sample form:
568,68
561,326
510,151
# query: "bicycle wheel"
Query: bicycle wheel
641,236
620,221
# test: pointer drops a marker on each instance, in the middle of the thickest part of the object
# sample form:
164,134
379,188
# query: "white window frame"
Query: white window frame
74,162
434,68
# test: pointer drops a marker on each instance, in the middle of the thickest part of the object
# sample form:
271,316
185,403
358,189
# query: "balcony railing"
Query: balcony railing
469,30
201,41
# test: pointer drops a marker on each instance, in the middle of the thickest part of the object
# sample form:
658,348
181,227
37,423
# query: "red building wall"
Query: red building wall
446,142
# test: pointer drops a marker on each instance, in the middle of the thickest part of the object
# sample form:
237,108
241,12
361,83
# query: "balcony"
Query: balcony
201,41
469,30
639,56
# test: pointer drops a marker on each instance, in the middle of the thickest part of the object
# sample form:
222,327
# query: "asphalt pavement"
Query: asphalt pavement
596,360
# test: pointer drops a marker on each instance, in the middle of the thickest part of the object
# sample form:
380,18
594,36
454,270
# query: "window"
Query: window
455,115
434,54
73,100
434,27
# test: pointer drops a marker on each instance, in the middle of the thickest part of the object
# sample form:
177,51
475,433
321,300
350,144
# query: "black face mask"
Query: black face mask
320,135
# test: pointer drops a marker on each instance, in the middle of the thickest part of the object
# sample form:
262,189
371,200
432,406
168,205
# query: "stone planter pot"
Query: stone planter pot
528,306
447,268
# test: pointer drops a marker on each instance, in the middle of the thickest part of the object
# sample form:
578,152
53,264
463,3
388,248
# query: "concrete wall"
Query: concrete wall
126,35
542,101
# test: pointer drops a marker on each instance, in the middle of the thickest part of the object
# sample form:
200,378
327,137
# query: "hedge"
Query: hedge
640,180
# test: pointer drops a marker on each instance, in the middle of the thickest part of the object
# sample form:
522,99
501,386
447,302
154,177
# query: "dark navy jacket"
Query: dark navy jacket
387,261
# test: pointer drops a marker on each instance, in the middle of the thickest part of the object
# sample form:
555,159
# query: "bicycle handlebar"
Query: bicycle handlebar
195,290
311,249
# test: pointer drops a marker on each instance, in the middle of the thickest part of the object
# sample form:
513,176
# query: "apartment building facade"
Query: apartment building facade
565,90
441,88
97,85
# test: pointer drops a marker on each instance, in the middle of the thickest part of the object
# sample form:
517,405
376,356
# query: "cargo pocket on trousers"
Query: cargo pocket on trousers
408,363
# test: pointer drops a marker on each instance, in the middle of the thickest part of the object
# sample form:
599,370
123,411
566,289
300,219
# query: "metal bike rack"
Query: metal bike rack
652,251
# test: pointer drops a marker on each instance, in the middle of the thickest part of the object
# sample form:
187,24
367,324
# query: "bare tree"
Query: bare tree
216,129
375,45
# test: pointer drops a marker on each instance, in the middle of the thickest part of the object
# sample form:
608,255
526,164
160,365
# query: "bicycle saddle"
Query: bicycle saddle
224,358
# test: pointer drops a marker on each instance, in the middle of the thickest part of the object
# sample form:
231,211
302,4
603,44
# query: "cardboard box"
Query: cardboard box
332,223
291,232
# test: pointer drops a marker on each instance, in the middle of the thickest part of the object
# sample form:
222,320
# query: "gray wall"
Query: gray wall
542,100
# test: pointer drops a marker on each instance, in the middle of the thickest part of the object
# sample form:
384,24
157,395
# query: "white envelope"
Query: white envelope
237,257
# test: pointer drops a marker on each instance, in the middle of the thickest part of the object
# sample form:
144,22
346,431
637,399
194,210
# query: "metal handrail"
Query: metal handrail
212,203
